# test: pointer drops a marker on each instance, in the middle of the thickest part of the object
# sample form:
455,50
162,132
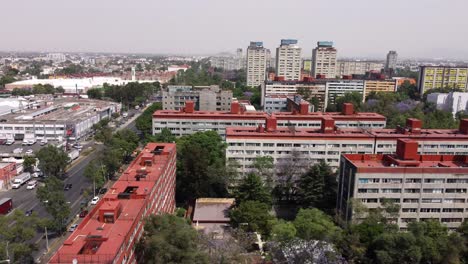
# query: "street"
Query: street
25,200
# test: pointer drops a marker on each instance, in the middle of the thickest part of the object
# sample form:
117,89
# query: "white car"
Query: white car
31,185
95,200
44,141
29,152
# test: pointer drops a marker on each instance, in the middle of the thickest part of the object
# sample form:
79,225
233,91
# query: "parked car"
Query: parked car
83,213
31,185
72,228
95,200
29,152
68,186
78,146
43,141
29,212
102,190
10,141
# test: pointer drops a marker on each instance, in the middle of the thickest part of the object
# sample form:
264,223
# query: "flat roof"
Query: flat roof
302,133
112,235
212,209
389,163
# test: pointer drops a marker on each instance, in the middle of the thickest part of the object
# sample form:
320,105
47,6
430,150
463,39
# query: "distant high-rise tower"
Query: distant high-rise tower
324,59
288,60
133,74
390,64
257,57
239,59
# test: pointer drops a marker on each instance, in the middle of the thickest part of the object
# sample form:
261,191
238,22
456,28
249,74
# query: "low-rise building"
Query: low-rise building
109,233
206,98
188,121
424,186
211,215
453,102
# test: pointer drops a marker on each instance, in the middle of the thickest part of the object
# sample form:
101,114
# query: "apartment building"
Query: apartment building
328,141
316,88
284,103
385,85
258,59
350,67
206,98
288,60
109,232
338,87
324,59
189,121
391,62
431,77
424,186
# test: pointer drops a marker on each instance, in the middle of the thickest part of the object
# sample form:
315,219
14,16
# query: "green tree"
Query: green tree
252,216
283,231
252,188
144,122
29,163
318,188
165,136
52,161
94,93
96,173
169,239
395,248
201,166
314,224
53,199
6,80
353,97
264,168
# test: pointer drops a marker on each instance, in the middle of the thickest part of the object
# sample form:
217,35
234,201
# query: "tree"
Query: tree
29,163
317,188
96,174
52,161
353,97
94,93
264,168
165,136
201,166
395,248
252,188
169,239
283,231
144,122
252,216
314,224
53,199
6,80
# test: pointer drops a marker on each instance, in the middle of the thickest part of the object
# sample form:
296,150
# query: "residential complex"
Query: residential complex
189,121
206,98
324,59
338,87
328,141
379,85
55,118
453,102
431,77
258,58
288,60
109,232
229,63
350,67
424,186
284,103
391,62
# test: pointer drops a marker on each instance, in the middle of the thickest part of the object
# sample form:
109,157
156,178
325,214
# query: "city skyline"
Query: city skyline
209,27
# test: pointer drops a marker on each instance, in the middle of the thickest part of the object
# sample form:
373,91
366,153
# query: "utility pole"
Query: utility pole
47,239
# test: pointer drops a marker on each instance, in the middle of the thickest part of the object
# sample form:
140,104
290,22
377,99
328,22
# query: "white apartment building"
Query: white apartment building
324,59
338,87
357,67
390,64
288,60
188,121
424,186
257,61
453,102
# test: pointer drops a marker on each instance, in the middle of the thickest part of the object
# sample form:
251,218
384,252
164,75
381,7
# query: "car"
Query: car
43,141
84,203
78,146
72,228
83,213
31,185
25,142
29,212
29,152
95,200
67,187
102,190
10,141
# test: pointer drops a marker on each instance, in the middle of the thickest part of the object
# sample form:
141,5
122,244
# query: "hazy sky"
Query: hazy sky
359,28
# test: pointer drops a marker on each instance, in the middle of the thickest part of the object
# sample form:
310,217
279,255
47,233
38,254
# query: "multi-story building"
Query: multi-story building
431,77
307,65
7,172
384,85
424,186
288,60
357,67
391,62
324,59
229,63
109,232
258,59
338,87
453,102
328,140
315,88
284,103
189,121
206,98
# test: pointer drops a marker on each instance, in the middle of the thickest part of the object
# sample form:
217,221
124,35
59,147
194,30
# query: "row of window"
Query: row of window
413,180
434,210
415,200
443,220
399,190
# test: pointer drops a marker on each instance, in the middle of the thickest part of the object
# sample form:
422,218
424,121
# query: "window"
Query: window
370,190
412,180
391,180
452,210
430,210
409,210
433,180
391,190
431,200
457,190
435,190
367,180
412,190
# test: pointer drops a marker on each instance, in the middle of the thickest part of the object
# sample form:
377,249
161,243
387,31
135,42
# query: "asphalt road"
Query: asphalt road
25,200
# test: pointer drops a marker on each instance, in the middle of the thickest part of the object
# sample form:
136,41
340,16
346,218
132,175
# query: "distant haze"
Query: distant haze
359,28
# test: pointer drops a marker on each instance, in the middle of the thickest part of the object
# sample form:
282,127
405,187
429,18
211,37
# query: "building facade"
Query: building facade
431,77
189,121
339,87
424,186
7,172
388,85
391,62
109,232
357,67
288,60
206,98
453,102
258,59
324,59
